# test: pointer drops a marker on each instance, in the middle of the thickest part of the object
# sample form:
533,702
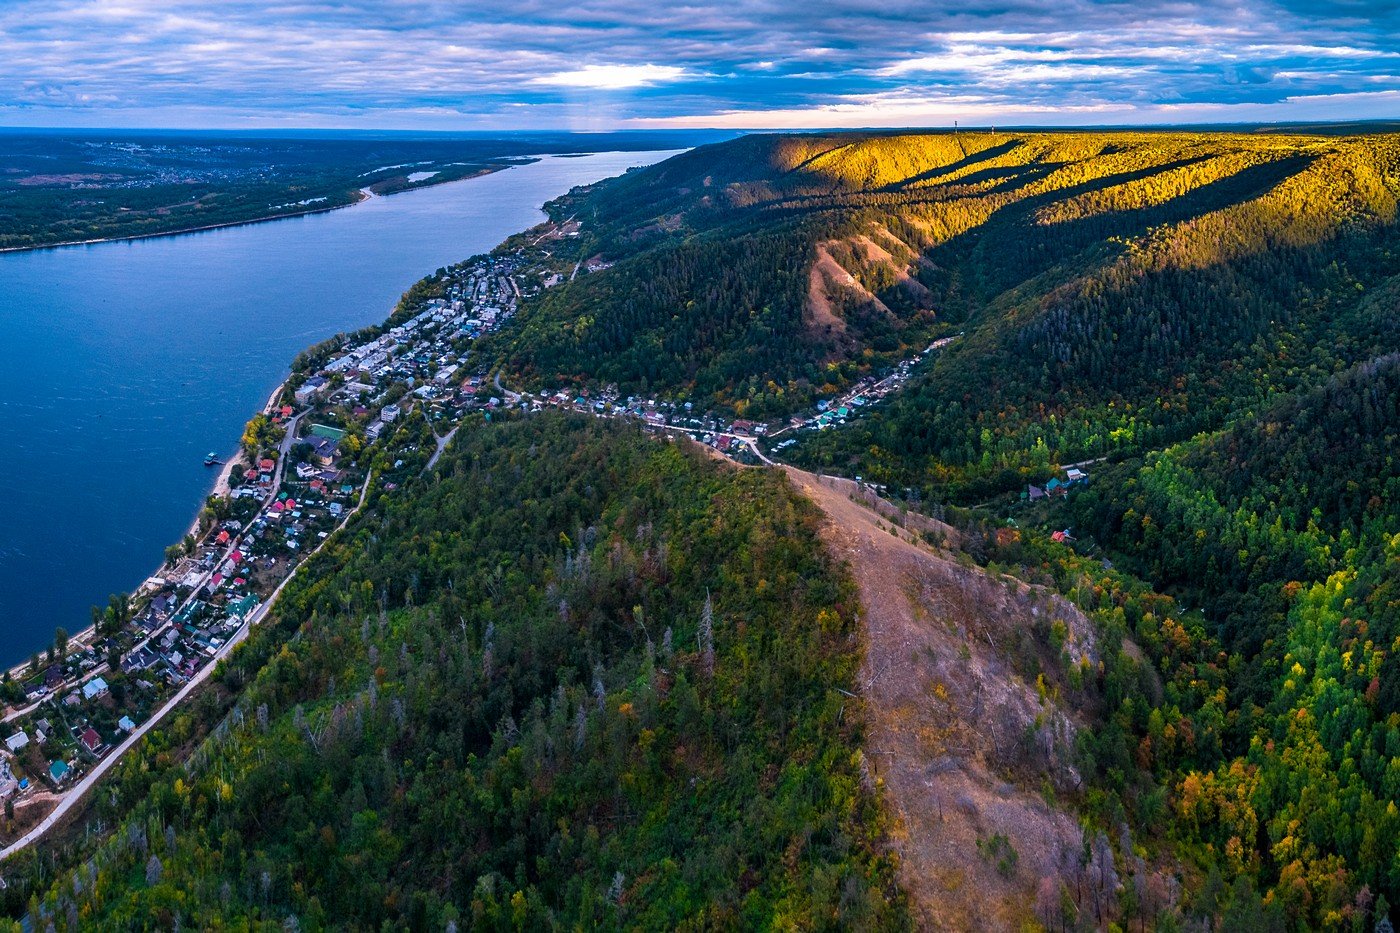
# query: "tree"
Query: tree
120,611
706,636
60,642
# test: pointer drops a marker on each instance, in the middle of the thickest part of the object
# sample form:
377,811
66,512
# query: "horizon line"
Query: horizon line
815,128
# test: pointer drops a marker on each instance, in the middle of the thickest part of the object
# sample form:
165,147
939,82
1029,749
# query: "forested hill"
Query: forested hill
1209,318
1115,291
579,680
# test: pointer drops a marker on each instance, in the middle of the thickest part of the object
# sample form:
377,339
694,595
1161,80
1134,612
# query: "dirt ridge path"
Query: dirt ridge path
947,714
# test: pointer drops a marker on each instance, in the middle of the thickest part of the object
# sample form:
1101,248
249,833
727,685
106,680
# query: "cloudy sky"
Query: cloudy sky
605,64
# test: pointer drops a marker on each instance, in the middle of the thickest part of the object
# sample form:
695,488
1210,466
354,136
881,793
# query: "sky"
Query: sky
593,65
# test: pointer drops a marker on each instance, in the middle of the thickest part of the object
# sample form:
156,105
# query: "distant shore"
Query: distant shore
364,194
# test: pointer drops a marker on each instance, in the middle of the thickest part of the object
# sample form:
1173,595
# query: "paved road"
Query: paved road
442,443
511,397
76,793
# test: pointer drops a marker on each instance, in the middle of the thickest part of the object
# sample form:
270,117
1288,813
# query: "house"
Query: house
139,660
17,741
1055,488
389,414
266,465
323,449
91,740
1034,493
305,471
1075,475
94,689
58,771
125,724
310,389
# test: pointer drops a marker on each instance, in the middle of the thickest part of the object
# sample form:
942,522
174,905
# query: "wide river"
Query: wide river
122,364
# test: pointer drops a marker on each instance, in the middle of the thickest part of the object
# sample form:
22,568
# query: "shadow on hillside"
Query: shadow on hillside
932,175
1011,248
1008,178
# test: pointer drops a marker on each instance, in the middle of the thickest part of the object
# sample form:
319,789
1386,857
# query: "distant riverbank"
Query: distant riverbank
360,196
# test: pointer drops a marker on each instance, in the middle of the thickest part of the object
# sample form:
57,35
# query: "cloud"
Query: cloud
541,63
613,77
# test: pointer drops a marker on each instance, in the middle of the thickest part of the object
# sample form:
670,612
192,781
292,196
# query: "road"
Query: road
89,635
511,397
76,793
442,443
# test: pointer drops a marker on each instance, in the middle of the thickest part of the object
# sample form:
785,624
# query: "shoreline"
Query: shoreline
364,194
85,637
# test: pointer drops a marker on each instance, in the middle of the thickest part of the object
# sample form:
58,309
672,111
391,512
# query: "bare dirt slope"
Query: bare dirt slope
962,737
826,274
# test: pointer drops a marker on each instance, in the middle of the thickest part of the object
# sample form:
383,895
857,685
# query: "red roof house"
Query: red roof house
91,740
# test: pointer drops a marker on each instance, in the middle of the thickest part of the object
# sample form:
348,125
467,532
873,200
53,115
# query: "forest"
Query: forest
1208,317
574,678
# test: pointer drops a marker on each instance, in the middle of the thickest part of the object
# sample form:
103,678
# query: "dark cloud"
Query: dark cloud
431,63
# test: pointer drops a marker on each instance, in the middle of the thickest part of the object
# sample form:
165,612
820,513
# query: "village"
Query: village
377,408
84,701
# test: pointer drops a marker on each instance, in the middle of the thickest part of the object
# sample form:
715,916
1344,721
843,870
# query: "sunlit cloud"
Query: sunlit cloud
612,77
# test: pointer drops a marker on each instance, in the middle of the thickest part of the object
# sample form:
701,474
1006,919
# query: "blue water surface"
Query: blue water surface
122,364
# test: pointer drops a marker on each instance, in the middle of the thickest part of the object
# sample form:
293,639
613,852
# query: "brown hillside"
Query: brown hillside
960,737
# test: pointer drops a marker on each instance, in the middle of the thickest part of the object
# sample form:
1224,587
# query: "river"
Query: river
122,364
